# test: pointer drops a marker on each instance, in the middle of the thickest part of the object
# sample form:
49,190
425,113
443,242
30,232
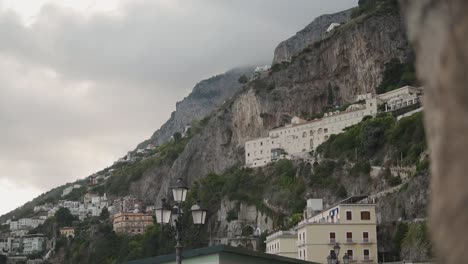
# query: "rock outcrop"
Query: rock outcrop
311,33
206,96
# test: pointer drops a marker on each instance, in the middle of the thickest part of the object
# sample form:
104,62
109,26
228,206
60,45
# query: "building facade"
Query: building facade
300,137
131,223
282,243
33,243
67,231
352,224
400,98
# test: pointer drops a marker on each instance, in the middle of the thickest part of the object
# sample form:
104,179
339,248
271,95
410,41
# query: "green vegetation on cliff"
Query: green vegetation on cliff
164,154
281,184
378,138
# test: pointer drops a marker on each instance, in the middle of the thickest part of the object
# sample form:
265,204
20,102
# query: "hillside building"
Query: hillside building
282,243
352,224
300,138
33,243
131,223
67,231
25,224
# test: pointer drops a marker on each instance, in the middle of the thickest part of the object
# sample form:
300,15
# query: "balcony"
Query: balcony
367,259
366,241
350,241
332,241
300,243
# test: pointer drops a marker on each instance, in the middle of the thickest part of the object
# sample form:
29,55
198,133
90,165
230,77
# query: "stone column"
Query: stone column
438,31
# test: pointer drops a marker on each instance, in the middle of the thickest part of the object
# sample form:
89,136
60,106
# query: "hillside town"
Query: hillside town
341,151
350,223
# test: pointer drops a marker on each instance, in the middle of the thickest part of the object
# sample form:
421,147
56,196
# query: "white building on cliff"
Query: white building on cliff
299,138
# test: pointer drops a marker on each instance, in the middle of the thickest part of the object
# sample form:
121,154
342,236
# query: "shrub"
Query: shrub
243,79
231,215
396,75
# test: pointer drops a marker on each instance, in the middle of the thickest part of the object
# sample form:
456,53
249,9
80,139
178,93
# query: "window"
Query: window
365,215
349,237
332,238
366,254
350,254
261,143
248,154
365,237
349,215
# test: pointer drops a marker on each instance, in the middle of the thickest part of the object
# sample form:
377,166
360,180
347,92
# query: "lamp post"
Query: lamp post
334,254
165,214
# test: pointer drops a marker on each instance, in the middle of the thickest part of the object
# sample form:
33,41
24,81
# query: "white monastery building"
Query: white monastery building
299,138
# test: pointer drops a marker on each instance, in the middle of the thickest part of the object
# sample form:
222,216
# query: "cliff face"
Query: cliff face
311,33
206,96
349,62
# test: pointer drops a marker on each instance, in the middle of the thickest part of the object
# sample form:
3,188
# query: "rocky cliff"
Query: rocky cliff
333,71
311,33
206,96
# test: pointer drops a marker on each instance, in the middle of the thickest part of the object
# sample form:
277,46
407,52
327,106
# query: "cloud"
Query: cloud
79,89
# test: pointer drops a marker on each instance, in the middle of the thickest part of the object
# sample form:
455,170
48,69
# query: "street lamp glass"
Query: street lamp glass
198,214
336,248
179,191
163,215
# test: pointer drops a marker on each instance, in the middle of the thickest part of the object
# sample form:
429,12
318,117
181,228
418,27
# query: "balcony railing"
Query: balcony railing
366,241
300,243
332,241
367,258
350,241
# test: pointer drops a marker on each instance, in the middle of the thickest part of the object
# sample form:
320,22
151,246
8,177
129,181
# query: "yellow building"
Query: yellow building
352,224
282,243
131,223
67,231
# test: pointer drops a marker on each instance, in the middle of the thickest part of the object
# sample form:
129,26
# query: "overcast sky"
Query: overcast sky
83,81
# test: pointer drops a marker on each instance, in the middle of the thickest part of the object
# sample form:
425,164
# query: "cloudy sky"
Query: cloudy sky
83,81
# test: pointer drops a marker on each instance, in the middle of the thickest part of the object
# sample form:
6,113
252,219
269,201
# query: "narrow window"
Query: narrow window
350,254
349,215
349,237
366,254
332,238
365,237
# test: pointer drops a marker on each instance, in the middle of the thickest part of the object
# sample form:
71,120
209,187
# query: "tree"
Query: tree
64,217
243,79
104,214
177,136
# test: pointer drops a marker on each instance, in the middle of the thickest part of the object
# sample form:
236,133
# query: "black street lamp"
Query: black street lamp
333,257
165,214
